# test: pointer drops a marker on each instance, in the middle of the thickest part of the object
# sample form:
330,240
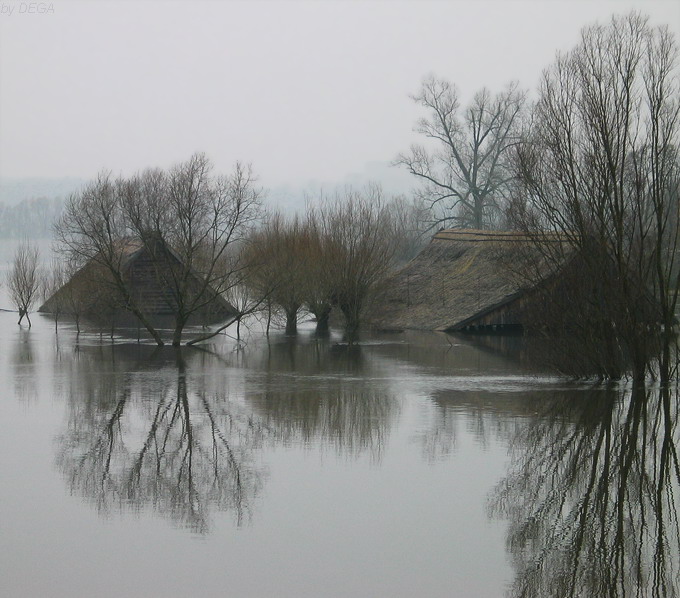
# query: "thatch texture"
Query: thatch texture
91,291
463,277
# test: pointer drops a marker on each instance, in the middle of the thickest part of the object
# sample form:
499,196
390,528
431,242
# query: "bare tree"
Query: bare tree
601,168
93,231
23,280
465,173
186,219
244,295
200,218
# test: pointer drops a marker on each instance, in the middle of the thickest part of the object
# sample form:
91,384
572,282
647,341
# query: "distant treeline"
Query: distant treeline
31,218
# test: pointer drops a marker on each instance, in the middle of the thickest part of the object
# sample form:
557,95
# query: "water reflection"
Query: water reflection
181,432
156,430
591,497
24,366
485,415
589,493
320,391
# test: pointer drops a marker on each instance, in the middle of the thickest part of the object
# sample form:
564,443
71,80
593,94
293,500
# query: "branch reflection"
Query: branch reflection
159,432
181,433
591,497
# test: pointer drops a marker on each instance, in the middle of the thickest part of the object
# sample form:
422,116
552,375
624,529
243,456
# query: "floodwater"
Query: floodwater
414,465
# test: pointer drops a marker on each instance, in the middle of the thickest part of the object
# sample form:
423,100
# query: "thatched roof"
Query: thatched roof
91,290
460,276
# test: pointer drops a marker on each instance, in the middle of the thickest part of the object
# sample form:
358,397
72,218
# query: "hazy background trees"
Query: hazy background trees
600,166
31,218
411,226
464,171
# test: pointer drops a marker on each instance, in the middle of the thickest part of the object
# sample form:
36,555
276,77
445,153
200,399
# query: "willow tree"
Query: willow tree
279,257
357,251
600,166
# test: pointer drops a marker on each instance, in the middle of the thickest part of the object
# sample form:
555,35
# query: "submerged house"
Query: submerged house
92,293
467,280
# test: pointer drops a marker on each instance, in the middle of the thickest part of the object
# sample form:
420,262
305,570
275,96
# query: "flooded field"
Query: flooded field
413,465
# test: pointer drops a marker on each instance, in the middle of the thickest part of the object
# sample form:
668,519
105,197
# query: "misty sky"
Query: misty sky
302,90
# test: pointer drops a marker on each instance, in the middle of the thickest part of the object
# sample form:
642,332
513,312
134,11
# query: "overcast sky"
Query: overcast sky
302,90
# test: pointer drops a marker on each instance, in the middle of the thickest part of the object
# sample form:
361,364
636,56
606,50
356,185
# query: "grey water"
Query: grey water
415,464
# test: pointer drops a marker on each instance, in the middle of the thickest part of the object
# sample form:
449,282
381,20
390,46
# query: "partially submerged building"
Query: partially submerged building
466,280
150,279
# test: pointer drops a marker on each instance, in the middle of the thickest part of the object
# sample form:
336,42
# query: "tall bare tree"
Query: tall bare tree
93,230
464,171
600,166
23,279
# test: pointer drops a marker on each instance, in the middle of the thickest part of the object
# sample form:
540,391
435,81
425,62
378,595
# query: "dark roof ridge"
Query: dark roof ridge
475,235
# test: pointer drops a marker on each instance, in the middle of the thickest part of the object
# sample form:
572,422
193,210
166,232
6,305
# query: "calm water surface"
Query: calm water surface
417,465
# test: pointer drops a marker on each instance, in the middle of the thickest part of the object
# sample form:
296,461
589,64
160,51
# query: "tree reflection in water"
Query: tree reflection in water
154,432
591,497
330,393
24,365
181,431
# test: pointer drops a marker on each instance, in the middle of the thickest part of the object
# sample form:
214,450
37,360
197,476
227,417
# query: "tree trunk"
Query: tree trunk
323,322
352,321
180,322
479,213
269,316
151,330
291,322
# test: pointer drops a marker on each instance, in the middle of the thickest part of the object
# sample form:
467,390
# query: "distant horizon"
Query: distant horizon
291,196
